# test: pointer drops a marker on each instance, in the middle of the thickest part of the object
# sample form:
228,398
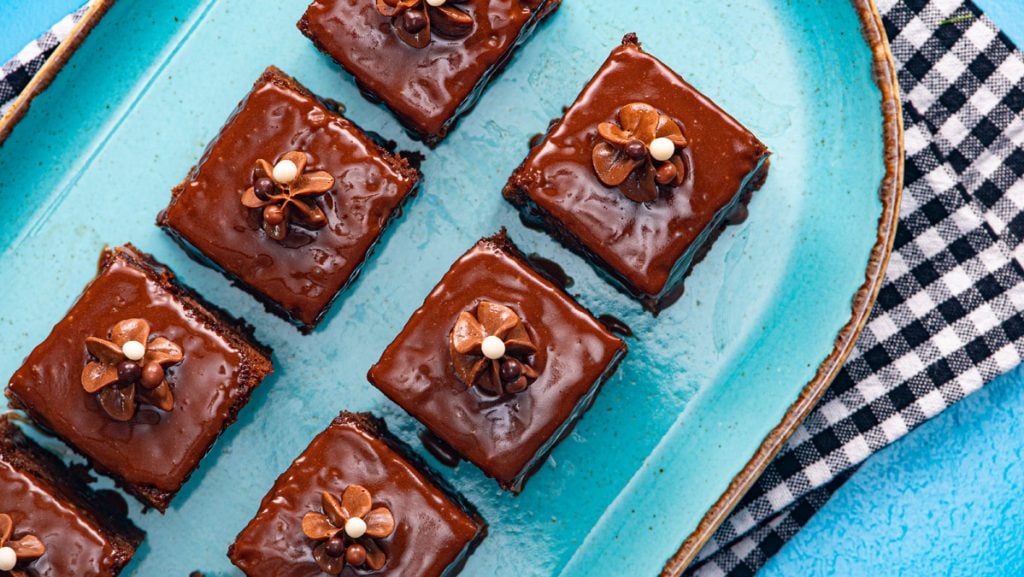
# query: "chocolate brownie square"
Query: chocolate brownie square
52,524
640,175
140,376
498,362
289,200
357,502
428,63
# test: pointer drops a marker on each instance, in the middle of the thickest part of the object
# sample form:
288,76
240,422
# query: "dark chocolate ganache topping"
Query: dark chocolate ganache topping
492,349
16,553
287,193
415,20
640,152
130,368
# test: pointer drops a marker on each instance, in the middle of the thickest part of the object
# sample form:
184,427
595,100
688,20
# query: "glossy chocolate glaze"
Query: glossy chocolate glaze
506,437
429,88
646,247
61,513
300,276
433,533
152,455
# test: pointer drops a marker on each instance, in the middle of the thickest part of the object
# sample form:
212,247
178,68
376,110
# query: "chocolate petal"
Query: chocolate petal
298,157
163,351
312,184
379,522
328,564
118,401
497,319
95,376
317,526
305,211
648,127
468,368
420,39
375,557
613,134
519,341
250,200
631,115
357,501
130,330
450,22
161,396
467,335
6,528
104,351
390,8
529,372
668,128
28,547
612,165
263,170
333,509
641,186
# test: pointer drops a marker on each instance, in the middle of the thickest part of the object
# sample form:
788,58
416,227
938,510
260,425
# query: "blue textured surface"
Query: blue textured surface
704,383
22,21
1008,15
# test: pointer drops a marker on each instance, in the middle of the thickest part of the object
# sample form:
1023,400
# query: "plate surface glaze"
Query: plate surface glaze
704,385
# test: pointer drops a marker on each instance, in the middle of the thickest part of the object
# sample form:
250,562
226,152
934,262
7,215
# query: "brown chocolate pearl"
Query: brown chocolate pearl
413,21
517,386
273,215
666,173
152,375
511,369
355,555
263,188
335,546
128,372
636,149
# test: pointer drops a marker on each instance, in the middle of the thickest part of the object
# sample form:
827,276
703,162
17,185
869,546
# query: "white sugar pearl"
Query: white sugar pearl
355,527
436,3
285,172
493,347
8,559
134,350
662,149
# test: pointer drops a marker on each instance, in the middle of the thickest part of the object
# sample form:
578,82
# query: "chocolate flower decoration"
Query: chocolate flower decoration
414,20
285,191
130,366
492,350
640,153
346,532
15,551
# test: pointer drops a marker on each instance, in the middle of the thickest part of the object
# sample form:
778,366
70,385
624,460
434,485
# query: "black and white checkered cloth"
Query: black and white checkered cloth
17,72
949,316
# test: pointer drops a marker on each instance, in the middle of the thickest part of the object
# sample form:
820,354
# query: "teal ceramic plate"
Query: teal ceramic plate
710,389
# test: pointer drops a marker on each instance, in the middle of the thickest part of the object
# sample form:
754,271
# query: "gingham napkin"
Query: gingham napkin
948,318
18,71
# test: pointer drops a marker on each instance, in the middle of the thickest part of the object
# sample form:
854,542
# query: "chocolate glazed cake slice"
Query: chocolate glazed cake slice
52,524
428,61
141,376
498,362
640,175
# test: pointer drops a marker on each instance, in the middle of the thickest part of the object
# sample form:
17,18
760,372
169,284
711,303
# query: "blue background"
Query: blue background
944,501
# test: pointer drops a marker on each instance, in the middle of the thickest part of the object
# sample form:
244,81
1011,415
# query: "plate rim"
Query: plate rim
890,192
883,71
